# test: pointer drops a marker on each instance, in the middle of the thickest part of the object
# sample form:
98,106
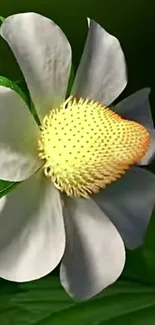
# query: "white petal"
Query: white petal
32,237
129,203
136,107
94,255
150,154
101,75
18,138
43,54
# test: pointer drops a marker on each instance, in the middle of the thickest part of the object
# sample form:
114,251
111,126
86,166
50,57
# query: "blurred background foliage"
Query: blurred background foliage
133,23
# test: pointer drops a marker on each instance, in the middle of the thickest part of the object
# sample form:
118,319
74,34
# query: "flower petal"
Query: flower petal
101,75
94,255
43,54
32,236
150,154
137,108
129,203
18,138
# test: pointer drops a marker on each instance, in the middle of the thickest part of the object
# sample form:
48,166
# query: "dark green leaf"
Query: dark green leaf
6,187
44,302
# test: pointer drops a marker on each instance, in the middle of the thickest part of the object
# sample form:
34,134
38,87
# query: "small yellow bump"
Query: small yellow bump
86,146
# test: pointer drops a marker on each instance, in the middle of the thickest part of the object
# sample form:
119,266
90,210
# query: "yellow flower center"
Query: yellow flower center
86,146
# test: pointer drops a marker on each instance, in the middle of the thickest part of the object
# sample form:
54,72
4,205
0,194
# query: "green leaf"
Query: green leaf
6,187
44,302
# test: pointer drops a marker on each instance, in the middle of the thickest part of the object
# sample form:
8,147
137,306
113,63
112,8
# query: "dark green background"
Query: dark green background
131,300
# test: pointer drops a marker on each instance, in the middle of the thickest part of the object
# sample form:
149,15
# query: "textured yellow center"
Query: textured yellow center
86,146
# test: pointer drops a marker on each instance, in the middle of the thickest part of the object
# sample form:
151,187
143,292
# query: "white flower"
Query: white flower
38,225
